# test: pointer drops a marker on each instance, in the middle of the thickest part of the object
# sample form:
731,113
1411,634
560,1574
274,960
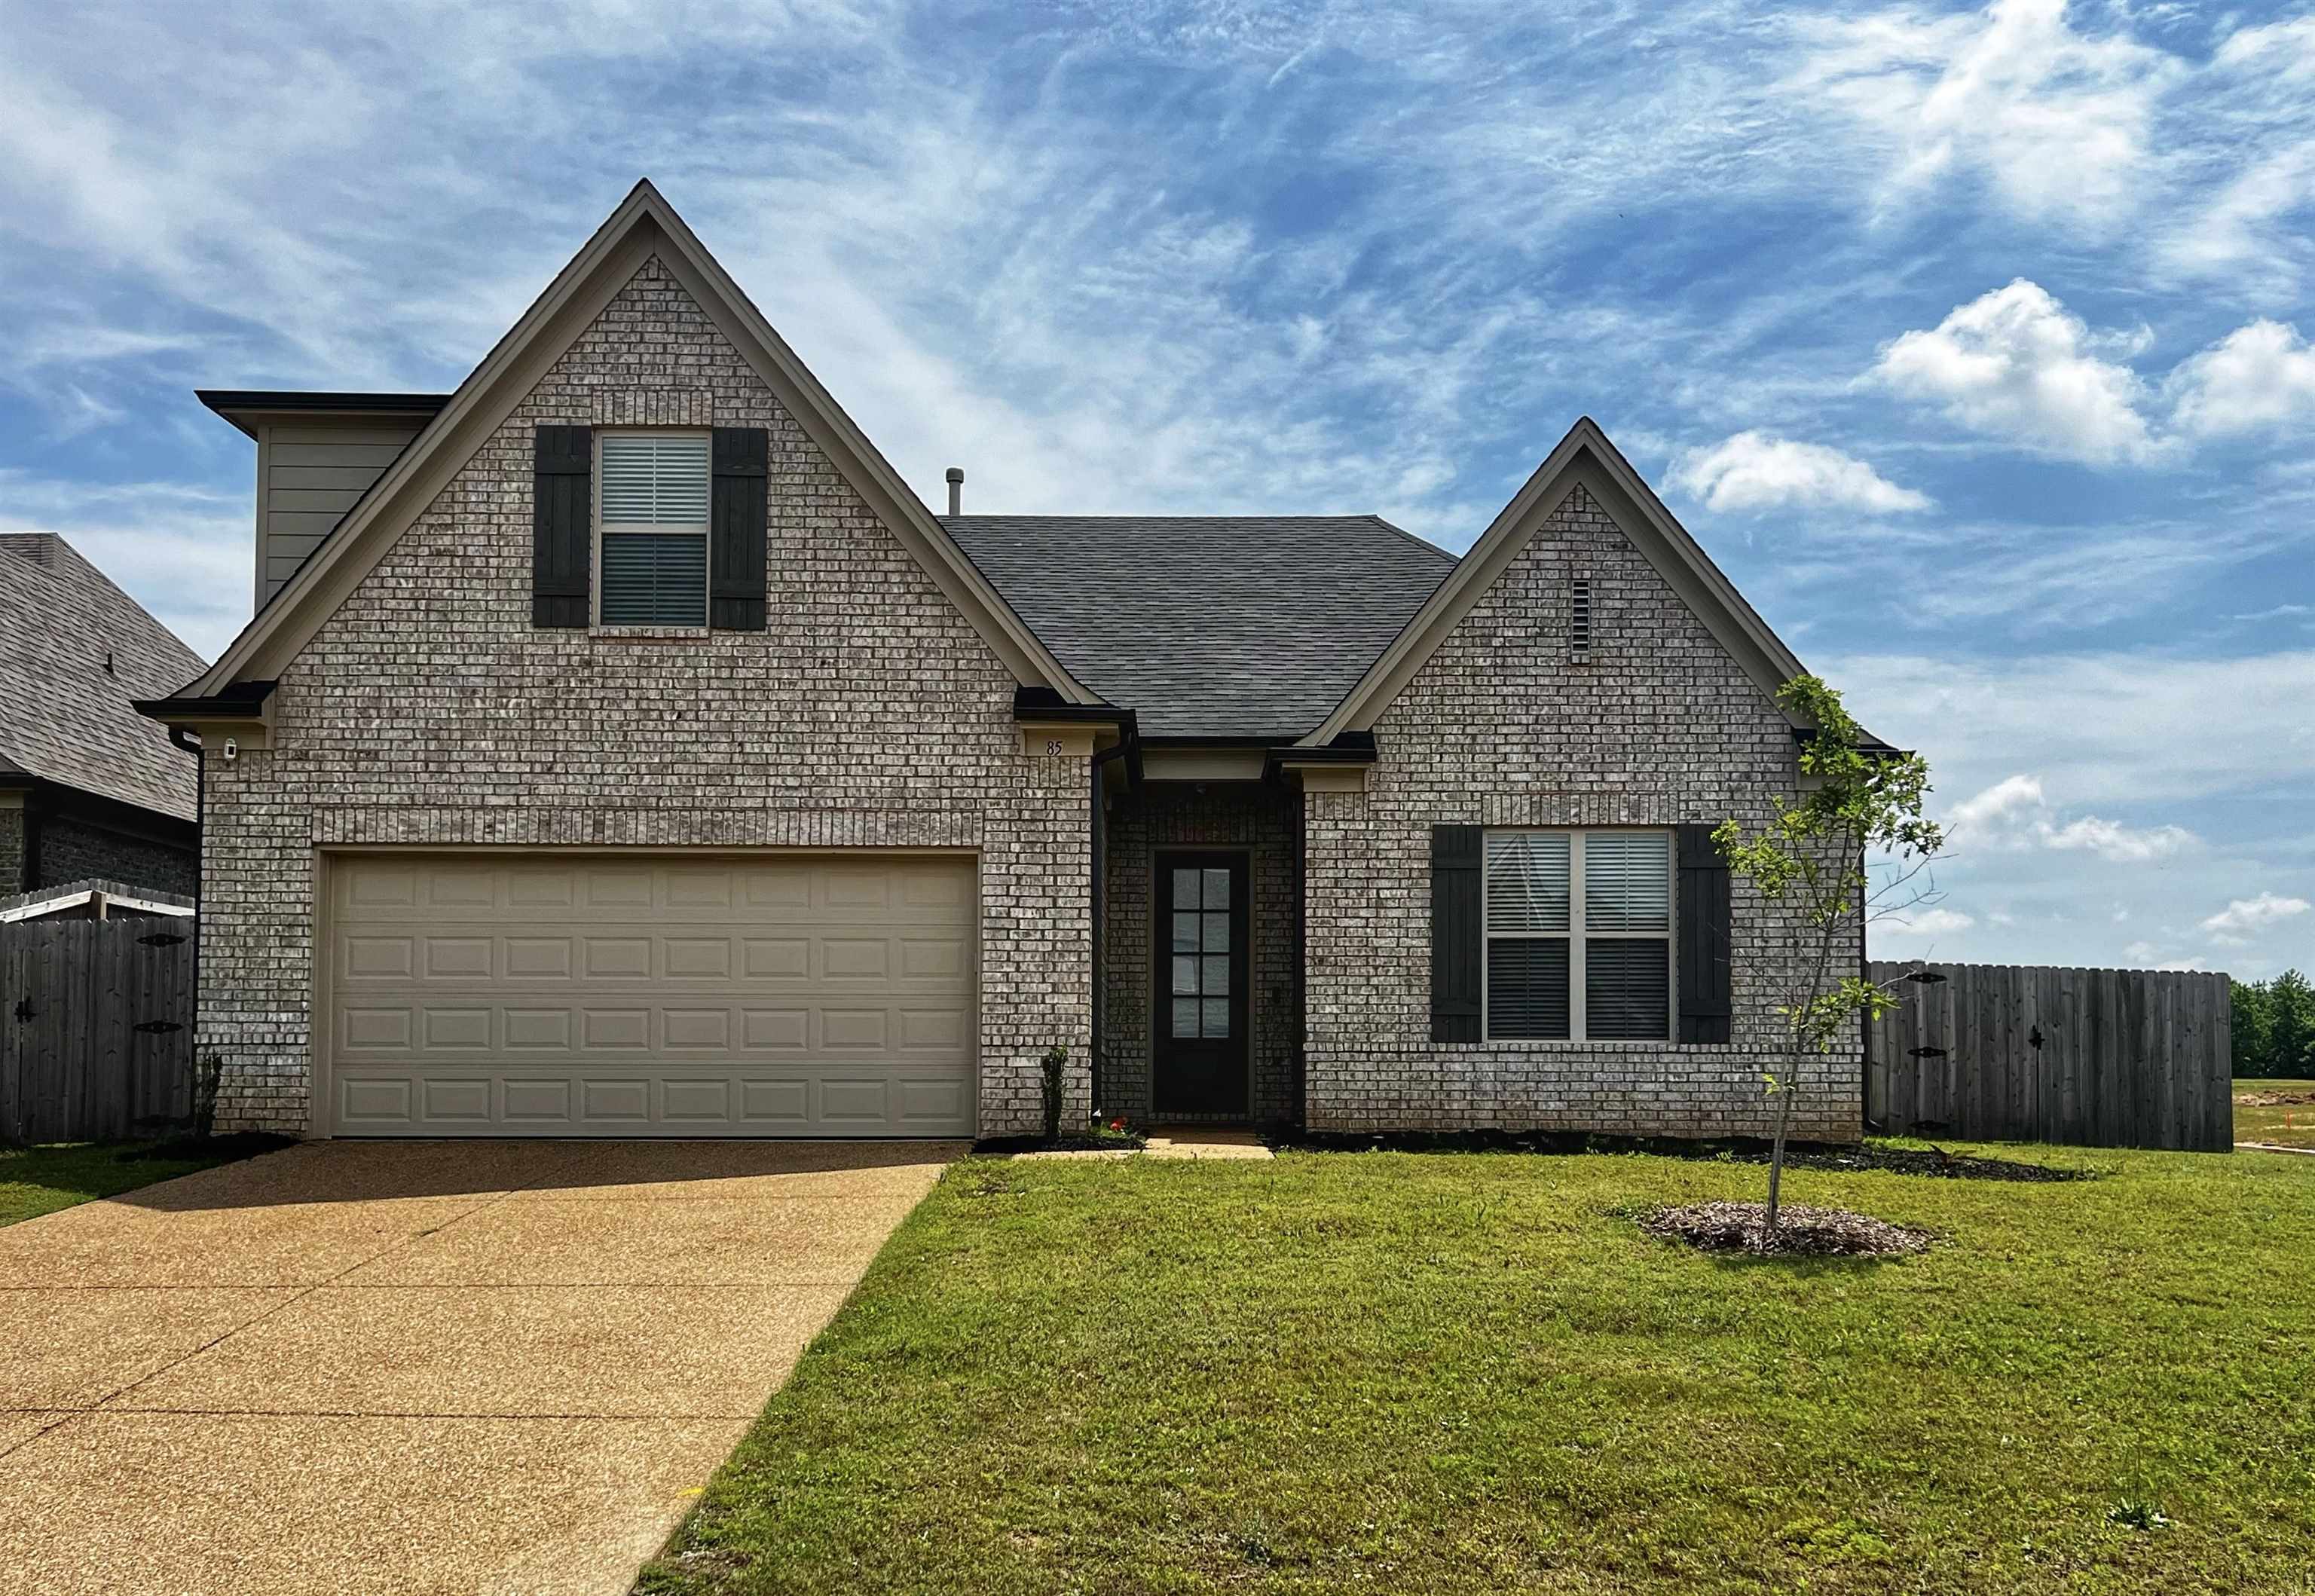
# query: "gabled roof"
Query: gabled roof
66,718
1210,626
1584,457
645,226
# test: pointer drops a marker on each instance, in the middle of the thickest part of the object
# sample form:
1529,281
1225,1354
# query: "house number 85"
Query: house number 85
1052,745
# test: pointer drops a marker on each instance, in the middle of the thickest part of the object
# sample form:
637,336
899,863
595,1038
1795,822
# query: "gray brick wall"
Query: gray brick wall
428,711
11,851
1260,819
1658,728
72,849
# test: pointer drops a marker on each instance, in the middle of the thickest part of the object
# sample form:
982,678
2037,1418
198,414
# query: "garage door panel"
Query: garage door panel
615,957
538,958
695,1028
531,1101
771,1105
615,886
449,1099
782,1030
534,996
855,958
457,1029
614,1100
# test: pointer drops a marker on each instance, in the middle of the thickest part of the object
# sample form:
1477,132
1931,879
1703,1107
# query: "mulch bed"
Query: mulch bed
1063,1144
1928,1161
2274,1099
1801,1232
243,1144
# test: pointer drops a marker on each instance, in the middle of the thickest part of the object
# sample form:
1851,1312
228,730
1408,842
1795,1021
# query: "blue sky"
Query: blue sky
1974,344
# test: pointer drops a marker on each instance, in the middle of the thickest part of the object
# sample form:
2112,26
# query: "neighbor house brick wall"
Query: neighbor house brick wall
1659,727
70,849
428,711
1261,819
13,875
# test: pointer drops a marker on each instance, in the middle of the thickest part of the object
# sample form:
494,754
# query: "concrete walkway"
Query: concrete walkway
417,1367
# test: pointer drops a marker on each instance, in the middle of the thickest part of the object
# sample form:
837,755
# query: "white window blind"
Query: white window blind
1627,881
1579,936
1527,880
654,480
652,508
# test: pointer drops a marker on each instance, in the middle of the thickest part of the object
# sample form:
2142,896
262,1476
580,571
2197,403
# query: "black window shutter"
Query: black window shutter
1703,936
1456,950
735,529
562,525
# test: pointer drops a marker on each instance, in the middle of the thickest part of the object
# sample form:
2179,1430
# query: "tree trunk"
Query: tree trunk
1776,1147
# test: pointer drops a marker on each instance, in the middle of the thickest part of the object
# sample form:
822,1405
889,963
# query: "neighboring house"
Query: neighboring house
89,789
640,757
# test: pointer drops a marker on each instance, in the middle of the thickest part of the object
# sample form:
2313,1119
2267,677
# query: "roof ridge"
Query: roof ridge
1425,543
1167,515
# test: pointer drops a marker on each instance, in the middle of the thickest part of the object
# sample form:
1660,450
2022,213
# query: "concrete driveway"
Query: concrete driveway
422,1366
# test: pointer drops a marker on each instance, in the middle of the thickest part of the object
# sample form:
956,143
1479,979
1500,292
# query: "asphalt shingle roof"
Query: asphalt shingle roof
1218,626
63,715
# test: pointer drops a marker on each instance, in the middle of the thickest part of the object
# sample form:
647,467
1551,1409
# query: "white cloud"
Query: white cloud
2015,813
1997,803
2132,728
1757,471
2055,123
2238,919
2017,365
2258,377
2113,841
1923,922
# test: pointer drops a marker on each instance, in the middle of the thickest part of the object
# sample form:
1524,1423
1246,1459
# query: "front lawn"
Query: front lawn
1472,1372
2280,1112
38,1180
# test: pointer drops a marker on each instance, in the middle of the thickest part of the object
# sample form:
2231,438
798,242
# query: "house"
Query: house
89,789
639,756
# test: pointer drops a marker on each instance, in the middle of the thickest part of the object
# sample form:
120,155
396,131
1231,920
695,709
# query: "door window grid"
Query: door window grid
1201,954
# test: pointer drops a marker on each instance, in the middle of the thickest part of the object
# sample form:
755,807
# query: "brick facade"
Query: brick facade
14,877
45,842
428,711
71,848
1658,727
1264,820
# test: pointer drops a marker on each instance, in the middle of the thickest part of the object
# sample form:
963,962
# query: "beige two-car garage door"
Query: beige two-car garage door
487,993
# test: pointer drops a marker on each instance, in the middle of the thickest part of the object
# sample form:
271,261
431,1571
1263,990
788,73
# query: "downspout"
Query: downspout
1100,824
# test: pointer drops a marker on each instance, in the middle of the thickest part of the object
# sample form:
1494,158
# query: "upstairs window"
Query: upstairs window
1579,937
653,520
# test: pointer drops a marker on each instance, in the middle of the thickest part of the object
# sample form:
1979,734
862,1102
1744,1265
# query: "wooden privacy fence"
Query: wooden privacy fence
2013,1052
96,1038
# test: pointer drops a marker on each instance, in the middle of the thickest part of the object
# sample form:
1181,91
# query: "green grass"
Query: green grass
2284,1124
39,1180
1473,1373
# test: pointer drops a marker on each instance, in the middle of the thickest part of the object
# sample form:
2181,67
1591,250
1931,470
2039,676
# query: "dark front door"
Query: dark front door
1199,1045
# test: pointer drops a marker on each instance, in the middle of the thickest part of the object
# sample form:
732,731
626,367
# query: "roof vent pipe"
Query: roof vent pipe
956,490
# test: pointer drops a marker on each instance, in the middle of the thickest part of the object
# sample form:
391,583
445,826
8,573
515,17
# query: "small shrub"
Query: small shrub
1055,1062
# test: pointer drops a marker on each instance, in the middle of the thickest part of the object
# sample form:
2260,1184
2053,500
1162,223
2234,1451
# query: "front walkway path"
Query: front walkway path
414,1367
